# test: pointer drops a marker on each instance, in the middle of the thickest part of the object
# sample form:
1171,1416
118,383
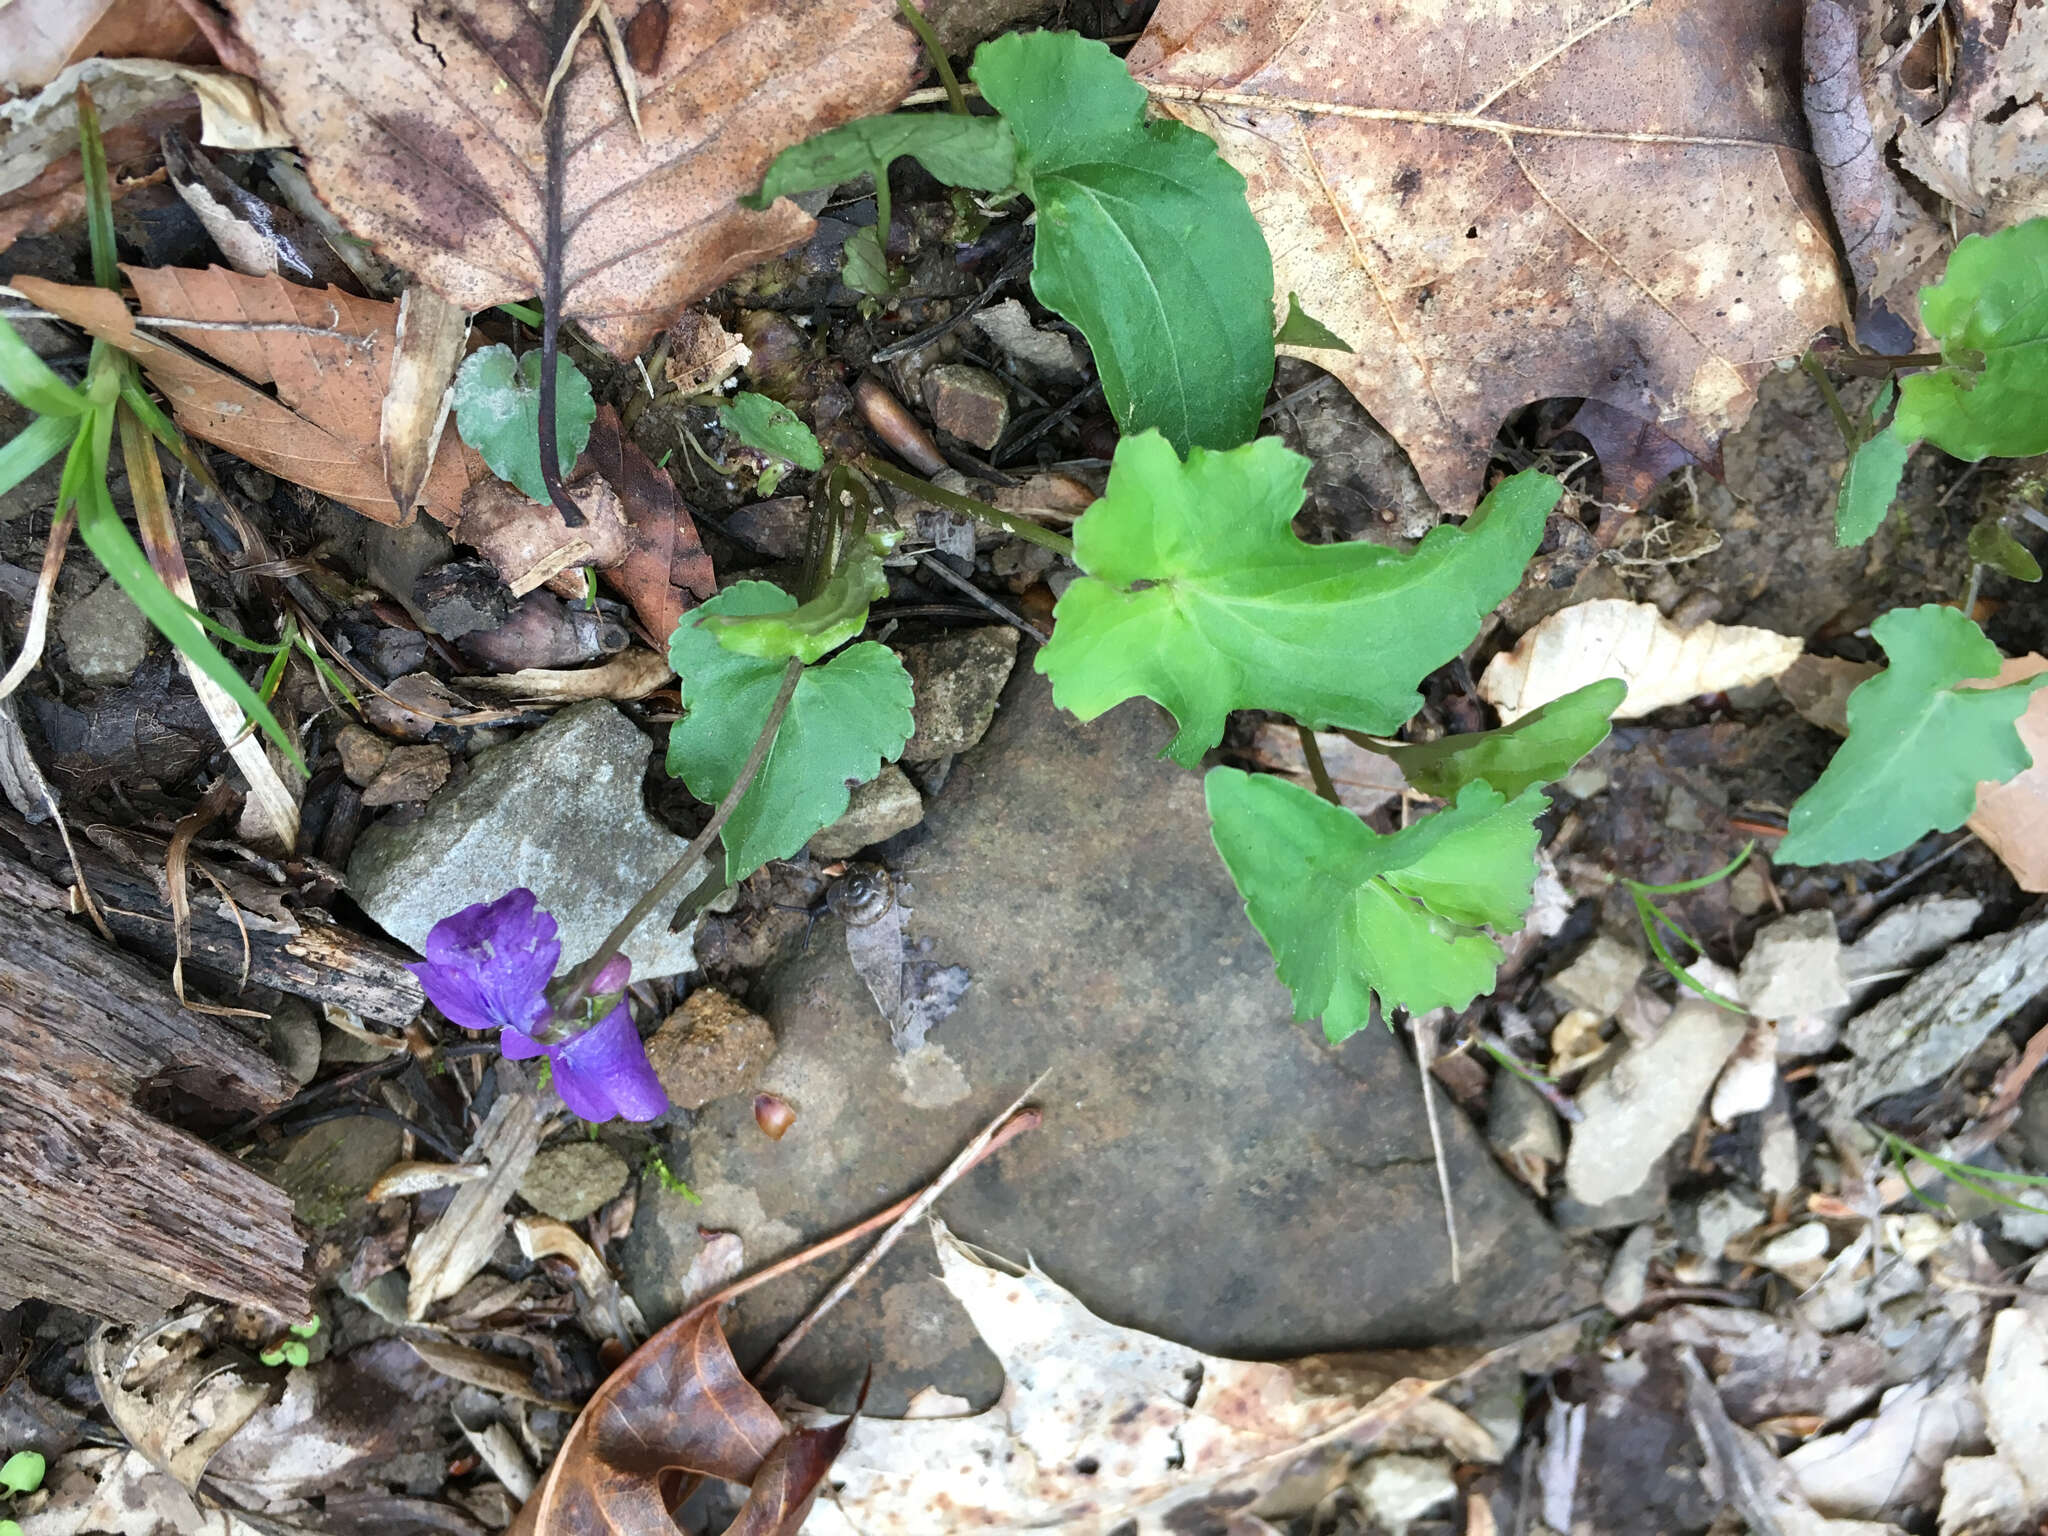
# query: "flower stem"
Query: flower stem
967,506
664,888
1314,753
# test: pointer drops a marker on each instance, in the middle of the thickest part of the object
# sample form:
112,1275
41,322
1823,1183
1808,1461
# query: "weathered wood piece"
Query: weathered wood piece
302,954
107,1209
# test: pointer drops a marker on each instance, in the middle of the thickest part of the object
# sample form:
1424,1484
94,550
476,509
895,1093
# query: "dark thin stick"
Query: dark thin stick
1316,770
1013,448
1818,372
974,306
1001,610
551,296
664,888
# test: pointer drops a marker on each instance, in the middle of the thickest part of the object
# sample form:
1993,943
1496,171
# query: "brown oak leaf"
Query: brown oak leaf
1496,204
421,126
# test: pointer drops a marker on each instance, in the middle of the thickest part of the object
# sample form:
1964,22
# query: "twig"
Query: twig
1008,1131
551,294
967,506
1314,756
1001,610
912,1213
664,888
1012,268
1819,374
1423,1028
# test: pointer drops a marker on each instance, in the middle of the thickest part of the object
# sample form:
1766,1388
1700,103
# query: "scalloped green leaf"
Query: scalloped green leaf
1541,746
1920,742
1145,240
847,717
772,428
1990,313
1872,480
497,412
1351,914
1199,595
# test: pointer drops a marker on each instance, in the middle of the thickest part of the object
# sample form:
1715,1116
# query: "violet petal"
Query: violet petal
604,1072
488,966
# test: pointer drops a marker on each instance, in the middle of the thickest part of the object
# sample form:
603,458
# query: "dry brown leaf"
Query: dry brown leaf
421,127
1493,206
528,541
431,337
1098,1428
2012,817
666,571
38,38
631,674
321,429
492,1373
1611,637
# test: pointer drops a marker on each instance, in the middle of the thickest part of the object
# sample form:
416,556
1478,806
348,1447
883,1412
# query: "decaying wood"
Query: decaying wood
107,1209
302,954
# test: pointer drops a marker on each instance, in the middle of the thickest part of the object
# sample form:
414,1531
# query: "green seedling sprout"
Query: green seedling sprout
1651,918
1901,1153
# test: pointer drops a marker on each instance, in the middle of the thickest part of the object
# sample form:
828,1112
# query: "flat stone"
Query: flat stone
887,804
558,811
1906,937
105,636
958,680
570,1182
1207,1170
1601,977
1047,353
1794,968
1649,1099
1720,1218
328,1169
1939,1017
1397,1491
968,403
2015,1396
709,1048
1629,1271
408,775
1982,1493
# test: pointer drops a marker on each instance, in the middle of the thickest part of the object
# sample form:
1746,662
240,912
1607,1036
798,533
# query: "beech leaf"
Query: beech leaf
1541,746
1919,743
1144,242
1990,313
1199,595
1351,914
1620,206
847,717
422,128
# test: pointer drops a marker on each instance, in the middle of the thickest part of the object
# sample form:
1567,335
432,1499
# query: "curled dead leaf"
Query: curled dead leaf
1610,637
632,674
528,542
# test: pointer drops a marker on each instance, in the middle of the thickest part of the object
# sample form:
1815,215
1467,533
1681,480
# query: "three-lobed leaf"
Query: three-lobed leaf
1145,240
1990,313
847,717
1542,745
1198,595
1351,914
1919,743
497,412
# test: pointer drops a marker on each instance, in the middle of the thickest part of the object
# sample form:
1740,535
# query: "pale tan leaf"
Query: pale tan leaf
1611,637
320,430
2012,817
451,1252
414,1178
632,674
431,337
1496,205
422,128
492,1373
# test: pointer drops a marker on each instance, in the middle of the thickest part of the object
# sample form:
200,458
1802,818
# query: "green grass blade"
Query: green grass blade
33,447
109,539
1684,887
99,194
28,379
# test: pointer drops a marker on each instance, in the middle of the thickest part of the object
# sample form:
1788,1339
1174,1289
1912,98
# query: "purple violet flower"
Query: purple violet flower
488,967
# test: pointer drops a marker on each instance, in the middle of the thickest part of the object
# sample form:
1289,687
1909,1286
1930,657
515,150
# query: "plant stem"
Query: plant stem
664,888
1880,365
956,100
967,506
1819,373
551,299
1316,770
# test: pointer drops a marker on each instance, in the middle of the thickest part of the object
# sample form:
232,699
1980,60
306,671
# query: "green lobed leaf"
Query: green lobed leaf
771,427
1541,746
1145,240
1919,744
827,621
1351,914
1872,479
497,412
22,1472
847,717
1991,303
1302,329
1199,595
975,152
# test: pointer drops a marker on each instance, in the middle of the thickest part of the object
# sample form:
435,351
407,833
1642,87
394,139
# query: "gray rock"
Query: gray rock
570,1182
879,809
105,636
558,811
1794,968
1047,353
1397,1491
1650,1099
1721,1217
1521,1127
328,1169
1940,1016
958,680
295,1039
1629,1272
1909,935
1177,1084
2015,1394
1601,977
1646,1202
709,1048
